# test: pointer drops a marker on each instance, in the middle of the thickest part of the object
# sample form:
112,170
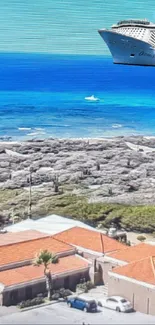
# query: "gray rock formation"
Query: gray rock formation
110,170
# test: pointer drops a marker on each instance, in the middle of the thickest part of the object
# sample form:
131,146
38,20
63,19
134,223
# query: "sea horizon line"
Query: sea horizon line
55,54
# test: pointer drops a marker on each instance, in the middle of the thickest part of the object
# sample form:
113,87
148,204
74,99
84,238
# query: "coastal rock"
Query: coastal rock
4,176
115,171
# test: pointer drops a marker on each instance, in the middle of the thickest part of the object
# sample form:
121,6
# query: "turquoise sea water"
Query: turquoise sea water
64,26
44,95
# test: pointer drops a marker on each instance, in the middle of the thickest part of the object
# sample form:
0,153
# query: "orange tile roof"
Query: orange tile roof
141,270
20,236
29,273
89,239
133,253
27,250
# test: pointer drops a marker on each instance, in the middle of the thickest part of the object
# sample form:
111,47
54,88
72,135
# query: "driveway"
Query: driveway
60,313
97,293
8,310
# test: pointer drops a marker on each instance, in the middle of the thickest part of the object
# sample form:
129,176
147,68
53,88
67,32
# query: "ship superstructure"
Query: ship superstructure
131,41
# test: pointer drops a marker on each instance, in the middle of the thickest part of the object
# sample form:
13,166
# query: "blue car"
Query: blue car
81,303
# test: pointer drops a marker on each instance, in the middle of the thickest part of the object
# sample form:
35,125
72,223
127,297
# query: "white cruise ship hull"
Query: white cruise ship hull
128,50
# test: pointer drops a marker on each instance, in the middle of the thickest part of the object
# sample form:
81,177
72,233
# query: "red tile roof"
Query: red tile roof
27,250
21,236
133,253
28,273
141,270
89,239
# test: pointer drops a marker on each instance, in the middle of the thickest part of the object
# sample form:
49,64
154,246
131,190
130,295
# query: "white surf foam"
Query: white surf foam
24,129
36,133
117,126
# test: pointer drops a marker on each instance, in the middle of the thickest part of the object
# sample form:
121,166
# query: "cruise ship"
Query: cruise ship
131,42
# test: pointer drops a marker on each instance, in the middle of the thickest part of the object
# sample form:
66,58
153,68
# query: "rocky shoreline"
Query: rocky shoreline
114,170
95,180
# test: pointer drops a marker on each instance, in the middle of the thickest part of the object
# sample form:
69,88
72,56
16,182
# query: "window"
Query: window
111,300
123,300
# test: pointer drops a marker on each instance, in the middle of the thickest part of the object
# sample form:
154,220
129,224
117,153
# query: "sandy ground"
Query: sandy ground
132,237
138,147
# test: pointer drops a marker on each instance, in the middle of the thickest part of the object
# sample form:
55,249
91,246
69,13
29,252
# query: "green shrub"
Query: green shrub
61,293
90,285
82,287
131,218
85,286
65,293
56,296
141,238
31,302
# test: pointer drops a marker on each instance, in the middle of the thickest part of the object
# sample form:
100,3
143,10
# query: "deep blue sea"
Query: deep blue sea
44,96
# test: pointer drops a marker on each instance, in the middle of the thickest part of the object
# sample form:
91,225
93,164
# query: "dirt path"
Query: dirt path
132,237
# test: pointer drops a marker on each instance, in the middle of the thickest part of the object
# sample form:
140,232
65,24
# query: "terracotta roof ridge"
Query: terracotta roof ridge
63,242
102,242
152,264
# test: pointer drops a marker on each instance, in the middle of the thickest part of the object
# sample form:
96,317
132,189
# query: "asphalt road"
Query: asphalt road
60,313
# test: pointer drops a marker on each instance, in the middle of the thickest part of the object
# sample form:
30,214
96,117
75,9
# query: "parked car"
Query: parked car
117,303
82,303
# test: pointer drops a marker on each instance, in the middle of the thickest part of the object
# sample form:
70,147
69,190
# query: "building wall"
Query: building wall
14,296
105,266
141,297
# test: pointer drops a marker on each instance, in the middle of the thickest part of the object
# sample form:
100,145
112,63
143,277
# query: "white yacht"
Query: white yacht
92,98
131,42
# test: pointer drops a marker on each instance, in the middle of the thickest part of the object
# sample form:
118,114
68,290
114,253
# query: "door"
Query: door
78,303
81,304
111,303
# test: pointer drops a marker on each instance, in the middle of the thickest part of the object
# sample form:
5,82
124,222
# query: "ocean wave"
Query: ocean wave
36,133
117,126
56,126
24,129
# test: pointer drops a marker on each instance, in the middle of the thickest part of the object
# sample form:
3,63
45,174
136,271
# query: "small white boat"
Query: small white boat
92,98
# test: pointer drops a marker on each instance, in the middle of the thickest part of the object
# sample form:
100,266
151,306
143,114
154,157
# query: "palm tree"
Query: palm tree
45,258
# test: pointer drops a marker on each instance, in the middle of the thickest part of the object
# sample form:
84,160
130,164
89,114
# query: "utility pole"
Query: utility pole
30,193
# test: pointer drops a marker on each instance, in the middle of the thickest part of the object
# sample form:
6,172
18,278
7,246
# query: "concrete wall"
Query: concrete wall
16,295
141,297
105,266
